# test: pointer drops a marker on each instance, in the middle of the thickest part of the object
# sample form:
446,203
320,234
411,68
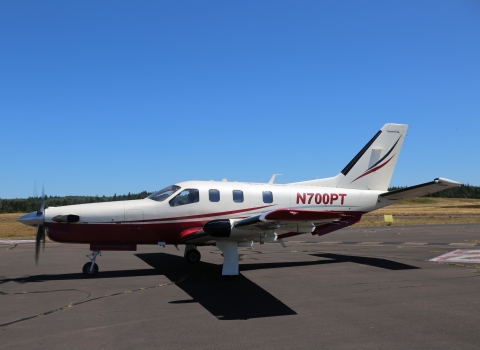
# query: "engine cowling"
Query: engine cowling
218,228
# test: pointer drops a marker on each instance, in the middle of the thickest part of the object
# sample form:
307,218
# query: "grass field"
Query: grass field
419,211
11,228
427,211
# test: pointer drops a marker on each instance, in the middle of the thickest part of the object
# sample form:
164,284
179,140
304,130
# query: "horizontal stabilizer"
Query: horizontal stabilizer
436,185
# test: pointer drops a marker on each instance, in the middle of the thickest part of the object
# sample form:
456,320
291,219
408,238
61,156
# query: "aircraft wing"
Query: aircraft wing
280,223
285,222
286,217
290,222
436,185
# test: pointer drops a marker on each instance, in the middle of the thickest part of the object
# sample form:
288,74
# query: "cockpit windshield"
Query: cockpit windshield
163,194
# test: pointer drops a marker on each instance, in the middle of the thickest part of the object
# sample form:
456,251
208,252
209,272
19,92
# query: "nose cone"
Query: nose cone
31,219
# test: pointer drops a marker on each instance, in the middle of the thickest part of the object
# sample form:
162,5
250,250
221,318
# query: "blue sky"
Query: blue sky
125,96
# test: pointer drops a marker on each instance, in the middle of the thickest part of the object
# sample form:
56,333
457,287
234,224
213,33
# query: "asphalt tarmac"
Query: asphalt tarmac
361,288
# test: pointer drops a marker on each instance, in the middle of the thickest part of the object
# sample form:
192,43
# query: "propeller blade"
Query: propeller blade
38,218
37,244
41,206
39,239
35,193
43,238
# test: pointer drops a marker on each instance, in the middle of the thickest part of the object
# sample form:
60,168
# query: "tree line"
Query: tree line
26,205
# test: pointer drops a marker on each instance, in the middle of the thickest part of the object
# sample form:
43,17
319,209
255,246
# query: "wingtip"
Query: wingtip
447,181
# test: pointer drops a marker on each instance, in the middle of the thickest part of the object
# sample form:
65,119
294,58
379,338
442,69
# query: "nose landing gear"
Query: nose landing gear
192,255
91,269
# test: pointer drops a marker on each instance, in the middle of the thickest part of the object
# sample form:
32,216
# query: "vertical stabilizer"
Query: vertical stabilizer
372,168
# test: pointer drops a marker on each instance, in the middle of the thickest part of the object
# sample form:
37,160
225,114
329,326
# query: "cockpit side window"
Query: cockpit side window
187,196
163,194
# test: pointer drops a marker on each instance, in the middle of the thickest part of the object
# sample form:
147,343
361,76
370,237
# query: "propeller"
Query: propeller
40,236
39,239
37,218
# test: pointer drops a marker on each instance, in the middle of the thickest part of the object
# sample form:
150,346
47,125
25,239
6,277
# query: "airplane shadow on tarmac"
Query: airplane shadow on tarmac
225,298
240,298
334,258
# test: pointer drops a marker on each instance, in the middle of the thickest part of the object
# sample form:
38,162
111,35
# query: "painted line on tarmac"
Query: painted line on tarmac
16,241
20,241
465,256
414,244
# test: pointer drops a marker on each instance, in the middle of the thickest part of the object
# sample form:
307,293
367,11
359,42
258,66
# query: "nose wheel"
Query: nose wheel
90,269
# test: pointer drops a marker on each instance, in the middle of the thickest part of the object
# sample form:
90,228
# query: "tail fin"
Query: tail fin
372,168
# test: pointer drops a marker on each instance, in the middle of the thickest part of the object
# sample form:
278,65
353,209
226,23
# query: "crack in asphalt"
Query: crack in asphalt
47,291
83,301
409,280
400,287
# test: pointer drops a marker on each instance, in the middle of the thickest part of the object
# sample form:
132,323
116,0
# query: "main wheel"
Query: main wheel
193,256
90,273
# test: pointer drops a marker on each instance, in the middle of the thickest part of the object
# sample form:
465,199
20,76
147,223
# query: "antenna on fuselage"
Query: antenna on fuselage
273,178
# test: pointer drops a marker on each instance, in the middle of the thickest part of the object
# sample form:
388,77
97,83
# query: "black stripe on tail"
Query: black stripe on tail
360,154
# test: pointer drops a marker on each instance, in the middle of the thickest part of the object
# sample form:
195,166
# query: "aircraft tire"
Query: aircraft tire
87,272
193,256
229,277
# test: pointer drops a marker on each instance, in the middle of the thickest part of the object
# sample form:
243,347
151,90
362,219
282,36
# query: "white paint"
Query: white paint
459,256
16,241
230,260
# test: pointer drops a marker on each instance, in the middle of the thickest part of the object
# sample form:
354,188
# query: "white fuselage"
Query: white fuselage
147,221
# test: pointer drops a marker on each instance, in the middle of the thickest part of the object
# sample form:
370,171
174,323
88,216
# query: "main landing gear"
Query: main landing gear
192,255
91,269
230,256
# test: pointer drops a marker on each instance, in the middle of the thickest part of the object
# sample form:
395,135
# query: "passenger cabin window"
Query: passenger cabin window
237,196
267,197
163,194
214,195
187,196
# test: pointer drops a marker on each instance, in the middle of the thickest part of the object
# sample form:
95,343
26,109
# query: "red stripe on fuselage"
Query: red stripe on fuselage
138,232
151,233
120,234
199,216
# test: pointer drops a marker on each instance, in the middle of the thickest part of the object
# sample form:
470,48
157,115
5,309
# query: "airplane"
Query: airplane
230,215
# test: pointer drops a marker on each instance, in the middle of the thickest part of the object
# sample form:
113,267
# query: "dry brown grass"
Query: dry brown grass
427,211
432,207
423,208
11,228
425,220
